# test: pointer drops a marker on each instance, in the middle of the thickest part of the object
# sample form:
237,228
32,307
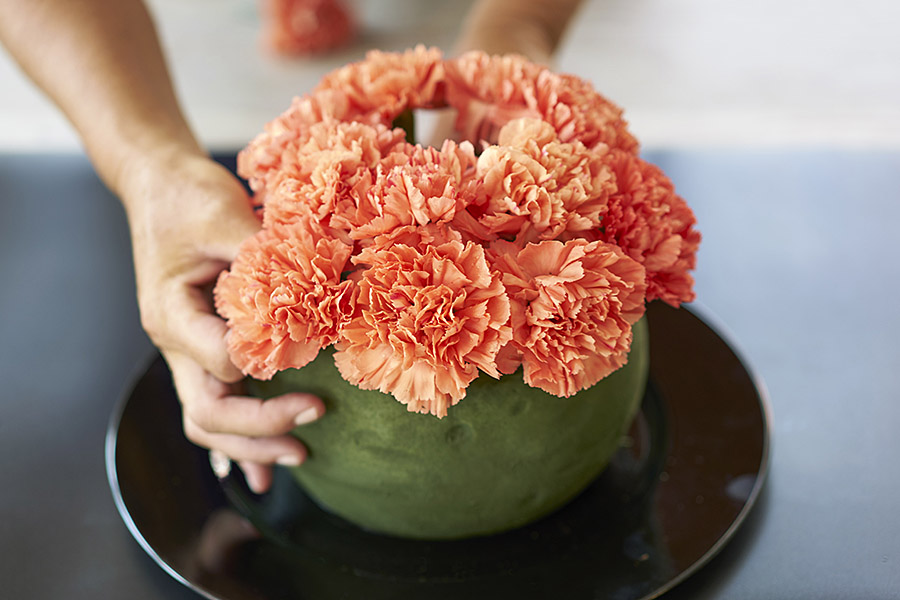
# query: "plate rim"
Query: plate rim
697,310
705,315
112,475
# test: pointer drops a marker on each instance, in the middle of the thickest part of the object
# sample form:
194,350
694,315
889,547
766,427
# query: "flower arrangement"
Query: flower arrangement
535,243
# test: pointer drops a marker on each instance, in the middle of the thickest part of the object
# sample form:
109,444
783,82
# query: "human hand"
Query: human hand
188,216
532,28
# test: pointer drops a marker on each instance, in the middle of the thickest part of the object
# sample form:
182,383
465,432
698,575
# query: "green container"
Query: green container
506,455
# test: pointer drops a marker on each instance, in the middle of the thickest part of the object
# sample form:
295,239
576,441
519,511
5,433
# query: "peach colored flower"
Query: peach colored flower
331,172
573,305
581,113
260,162
537,187
489,91
374,91
418,236
283,298
306,26
386,83
427,320
654,226
418,187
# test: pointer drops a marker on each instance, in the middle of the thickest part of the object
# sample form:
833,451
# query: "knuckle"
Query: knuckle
151,321
194,433
225,370
202,413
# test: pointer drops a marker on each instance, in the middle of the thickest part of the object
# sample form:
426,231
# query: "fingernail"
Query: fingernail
220,463
307,416
289,460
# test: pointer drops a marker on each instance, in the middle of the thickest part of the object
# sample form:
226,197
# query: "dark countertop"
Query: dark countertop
799,261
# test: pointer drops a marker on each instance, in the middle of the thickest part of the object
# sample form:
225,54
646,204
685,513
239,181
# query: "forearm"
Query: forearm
100,62
533,28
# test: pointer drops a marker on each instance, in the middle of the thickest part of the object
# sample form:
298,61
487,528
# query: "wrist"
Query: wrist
143,162
532,29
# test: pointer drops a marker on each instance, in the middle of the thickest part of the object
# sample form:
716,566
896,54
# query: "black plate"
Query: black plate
693,466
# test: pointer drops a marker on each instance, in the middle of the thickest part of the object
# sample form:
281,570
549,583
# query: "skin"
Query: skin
531,28
100,61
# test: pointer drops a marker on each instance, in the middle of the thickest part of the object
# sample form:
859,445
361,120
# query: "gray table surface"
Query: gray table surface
799,261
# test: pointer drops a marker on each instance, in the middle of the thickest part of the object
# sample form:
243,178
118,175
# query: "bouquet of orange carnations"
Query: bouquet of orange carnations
534,241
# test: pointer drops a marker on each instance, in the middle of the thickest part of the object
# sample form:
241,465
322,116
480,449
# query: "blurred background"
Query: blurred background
690,73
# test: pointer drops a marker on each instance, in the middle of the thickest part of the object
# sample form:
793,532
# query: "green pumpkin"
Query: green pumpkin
504,456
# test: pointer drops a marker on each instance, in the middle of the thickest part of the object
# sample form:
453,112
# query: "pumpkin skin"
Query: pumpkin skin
506,455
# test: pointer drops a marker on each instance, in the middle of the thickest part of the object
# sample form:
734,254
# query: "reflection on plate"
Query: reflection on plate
690,471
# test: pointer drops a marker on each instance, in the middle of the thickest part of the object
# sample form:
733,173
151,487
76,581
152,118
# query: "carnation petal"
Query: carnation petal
572,307
283,298
653,225
428,319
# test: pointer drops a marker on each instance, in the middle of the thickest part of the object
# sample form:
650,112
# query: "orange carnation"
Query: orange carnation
427,320
573,305
489,91
330,172
386,83
654,226
422,186
261,161
580,113
283,298
537,187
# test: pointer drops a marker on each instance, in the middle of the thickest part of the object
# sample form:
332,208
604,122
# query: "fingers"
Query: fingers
251,431
213,407
178,317
283,450
258,454
258,477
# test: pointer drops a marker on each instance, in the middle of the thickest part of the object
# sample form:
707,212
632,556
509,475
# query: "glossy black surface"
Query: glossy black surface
693,468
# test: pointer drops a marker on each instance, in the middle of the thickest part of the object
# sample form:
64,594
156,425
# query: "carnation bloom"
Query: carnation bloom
573,305
306,26
427,319
489,91
330,171
374,90
362,181
654,226
536,187
261,161
579,112
386,83
421,186
283,298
